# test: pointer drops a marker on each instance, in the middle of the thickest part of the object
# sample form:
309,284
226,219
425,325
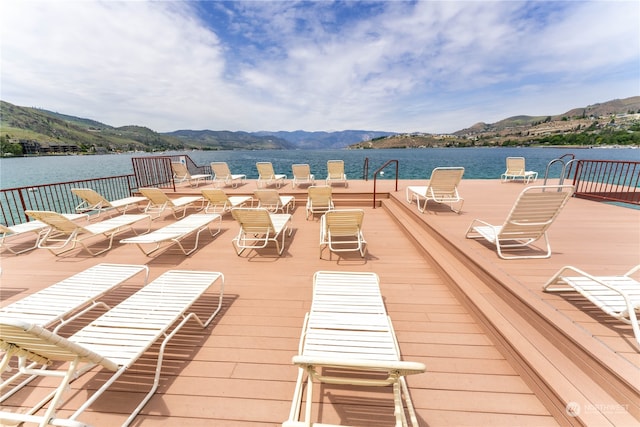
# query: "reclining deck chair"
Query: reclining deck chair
319,200
258,227
65,301
181,174
222,174
218,201
159,201
349,333
272,201
51,306
267,176
175,232
302,175
115,340
63,234
37,227
516,170
531,216
341,231
92,201
335,172
617,296
442,188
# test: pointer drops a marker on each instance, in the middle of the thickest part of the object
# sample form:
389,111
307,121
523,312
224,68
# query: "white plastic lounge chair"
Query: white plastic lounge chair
63,234
272,201
341,231
258,227
115,340
176,232
222,174
92,201
182,174
319,200
531,216
9,234
159,201
335,172
218,201
267,176
617,296
442,188
349,332
53,304
516,170
302,175
67,300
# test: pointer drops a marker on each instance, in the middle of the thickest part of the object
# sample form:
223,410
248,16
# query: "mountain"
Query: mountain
581,115
227,140
319,140
612,122
26,130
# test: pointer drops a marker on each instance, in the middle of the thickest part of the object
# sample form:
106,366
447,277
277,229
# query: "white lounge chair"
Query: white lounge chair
219,202
267,176
258,227
618,296
114,341
516,170
63,235
531,216
272,201
74,295
302,175
319,200
159,201
222,175
341,231
65,301
442,188
181,174
92,201
348,339
335,172
9,234
175,232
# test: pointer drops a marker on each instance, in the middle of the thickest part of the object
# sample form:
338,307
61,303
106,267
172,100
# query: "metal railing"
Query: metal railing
607,180
155,171
365,169
375,177
564,171
58,196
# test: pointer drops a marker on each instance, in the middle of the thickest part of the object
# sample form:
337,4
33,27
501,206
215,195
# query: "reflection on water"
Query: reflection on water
479,163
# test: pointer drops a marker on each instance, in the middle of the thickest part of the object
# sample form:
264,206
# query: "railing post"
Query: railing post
365,169
375,178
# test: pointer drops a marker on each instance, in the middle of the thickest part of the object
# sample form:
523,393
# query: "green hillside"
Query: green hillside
25,130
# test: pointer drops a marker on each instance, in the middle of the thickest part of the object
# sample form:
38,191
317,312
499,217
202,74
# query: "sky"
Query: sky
397,66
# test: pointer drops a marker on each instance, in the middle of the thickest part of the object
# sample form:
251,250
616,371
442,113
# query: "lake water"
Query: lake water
479,163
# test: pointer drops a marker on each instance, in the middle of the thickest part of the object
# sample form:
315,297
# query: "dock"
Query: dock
497,349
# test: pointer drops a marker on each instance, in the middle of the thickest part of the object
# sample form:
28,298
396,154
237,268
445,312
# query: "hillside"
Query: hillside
607,123
227,140
25,130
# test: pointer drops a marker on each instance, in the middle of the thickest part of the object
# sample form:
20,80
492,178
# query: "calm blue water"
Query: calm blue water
479,163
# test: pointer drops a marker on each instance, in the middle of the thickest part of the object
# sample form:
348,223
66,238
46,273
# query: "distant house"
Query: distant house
35,147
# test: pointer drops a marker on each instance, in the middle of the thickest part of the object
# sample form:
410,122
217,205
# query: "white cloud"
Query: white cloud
425,66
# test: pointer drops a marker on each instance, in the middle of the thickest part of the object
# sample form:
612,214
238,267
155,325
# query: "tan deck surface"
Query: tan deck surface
238,372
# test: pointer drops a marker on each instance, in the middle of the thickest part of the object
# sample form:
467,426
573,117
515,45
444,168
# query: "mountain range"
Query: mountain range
42,128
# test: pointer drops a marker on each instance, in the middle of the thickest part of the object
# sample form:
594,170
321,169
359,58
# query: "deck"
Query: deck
498,350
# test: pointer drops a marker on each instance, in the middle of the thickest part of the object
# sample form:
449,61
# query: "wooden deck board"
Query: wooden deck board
239,373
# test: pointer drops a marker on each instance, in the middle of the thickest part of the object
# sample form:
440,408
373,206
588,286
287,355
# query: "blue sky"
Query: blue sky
404,66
